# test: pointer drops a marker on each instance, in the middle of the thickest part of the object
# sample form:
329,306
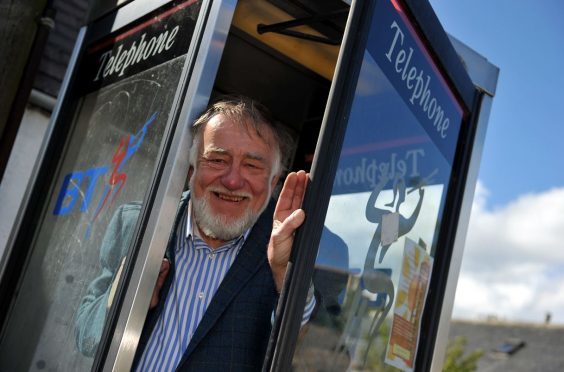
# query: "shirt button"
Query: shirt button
211,256
201,295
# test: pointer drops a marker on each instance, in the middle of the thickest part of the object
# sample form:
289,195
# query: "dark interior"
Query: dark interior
295,94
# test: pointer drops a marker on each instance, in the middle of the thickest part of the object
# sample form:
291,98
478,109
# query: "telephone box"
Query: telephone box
388,114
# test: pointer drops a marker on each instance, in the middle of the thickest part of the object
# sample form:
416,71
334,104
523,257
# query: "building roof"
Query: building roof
513,346
70,16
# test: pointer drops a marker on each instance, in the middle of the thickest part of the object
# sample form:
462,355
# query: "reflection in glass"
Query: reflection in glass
386,207
110,158
109,161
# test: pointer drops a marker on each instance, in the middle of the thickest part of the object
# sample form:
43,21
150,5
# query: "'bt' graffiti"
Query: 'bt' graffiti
71,191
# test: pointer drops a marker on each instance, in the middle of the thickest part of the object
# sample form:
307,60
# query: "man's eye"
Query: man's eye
215,162
254,166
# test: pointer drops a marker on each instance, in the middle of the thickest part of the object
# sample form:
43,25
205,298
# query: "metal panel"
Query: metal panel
484,75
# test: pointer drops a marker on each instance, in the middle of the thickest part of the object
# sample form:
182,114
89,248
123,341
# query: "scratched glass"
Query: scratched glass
376,252
109,162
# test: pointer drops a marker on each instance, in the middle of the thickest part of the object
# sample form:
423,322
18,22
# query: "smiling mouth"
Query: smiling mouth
229,198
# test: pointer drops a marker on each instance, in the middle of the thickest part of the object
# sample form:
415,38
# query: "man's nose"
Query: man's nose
232,179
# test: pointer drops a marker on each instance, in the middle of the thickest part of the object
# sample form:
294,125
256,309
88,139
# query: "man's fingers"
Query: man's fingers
286,228
165,266
287,193
299,189
296,219
292,194
163,272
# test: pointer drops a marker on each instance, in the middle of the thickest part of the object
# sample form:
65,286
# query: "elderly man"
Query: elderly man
213,302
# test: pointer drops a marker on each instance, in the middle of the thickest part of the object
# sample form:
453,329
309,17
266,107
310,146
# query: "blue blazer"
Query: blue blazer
234,331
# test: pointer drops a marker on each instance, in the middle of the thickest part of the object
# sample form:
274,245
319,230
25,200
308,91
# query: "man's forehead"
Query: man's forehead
244,125
213,149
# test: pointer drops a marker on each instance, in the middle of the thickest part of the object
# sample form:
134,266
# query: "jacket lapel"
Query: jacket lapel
247,263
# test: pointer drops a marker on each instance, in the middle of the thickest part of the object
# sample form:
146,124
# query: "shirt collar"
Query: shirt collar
191,232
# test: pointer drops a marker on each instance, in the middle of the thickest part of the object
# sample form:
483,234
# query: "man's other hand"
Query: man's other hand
288,216
165,267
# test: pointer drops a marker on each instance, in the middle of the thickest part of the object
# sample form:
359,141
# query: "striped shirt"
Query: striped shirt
199,270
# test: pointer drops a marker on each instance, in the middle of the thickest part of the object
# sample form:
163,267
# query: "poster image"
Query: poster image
410,301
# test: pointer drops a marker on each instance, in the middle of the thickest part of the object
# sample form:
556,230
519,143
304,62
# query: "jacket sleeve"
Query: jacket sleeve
91,314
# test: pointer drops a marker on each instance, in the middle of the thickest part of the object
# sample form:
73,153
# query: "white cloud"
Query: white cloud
514,259
513,265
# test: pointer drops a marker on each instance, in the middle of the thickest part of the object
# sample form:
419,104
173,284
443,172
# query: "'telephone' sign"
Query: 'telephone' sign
156,40
412,72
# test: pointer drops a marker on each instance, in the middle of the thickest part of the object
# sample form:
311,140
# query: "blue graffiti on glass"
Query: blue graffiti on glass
71,191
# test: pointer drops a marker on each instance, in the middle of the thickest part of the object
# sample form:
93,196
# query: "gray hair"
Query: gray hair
250,114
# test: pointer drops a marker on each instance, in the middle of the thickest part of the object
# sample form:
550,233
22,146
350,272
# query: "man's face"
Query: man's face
233,179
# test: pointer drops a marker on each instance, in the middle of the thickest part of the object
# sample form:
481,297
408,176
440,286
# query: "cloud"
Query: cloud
514,259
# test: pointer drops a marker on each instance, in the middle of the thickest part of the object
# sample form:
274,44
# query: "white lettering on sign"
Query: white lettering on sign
137,52
416,82
367,171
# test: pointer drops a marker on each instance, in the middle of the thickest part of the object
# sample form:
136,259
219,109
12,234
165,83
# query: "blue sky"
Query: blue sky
523,149
513,265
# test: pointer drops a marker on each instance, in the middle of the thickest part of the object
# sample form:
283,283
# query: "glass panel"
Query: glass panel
127,84
380,234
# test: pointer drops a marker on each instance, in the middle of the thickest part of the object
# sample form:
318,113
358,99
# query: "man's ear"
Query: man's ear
274,181
188,176
190,172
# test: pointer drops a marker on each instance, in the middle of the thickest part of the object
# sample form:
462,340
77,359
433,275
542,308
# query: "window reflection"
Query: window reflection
352,325
109,161
385,212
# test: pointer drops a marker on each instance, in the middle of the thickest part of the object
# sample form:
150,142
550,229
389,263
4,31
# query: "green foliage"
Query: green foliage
456,361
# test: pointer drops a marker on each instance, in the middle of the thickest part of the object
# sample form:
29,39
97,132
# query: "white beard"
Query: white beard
217,226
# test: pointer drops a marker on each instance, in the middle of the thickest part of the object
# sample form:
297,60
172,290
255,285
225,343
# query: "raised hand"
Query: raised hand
288,216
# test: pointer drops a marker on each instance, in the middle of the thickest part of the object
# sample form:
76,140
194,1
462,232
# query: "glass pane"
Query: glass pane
380,234
127,86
